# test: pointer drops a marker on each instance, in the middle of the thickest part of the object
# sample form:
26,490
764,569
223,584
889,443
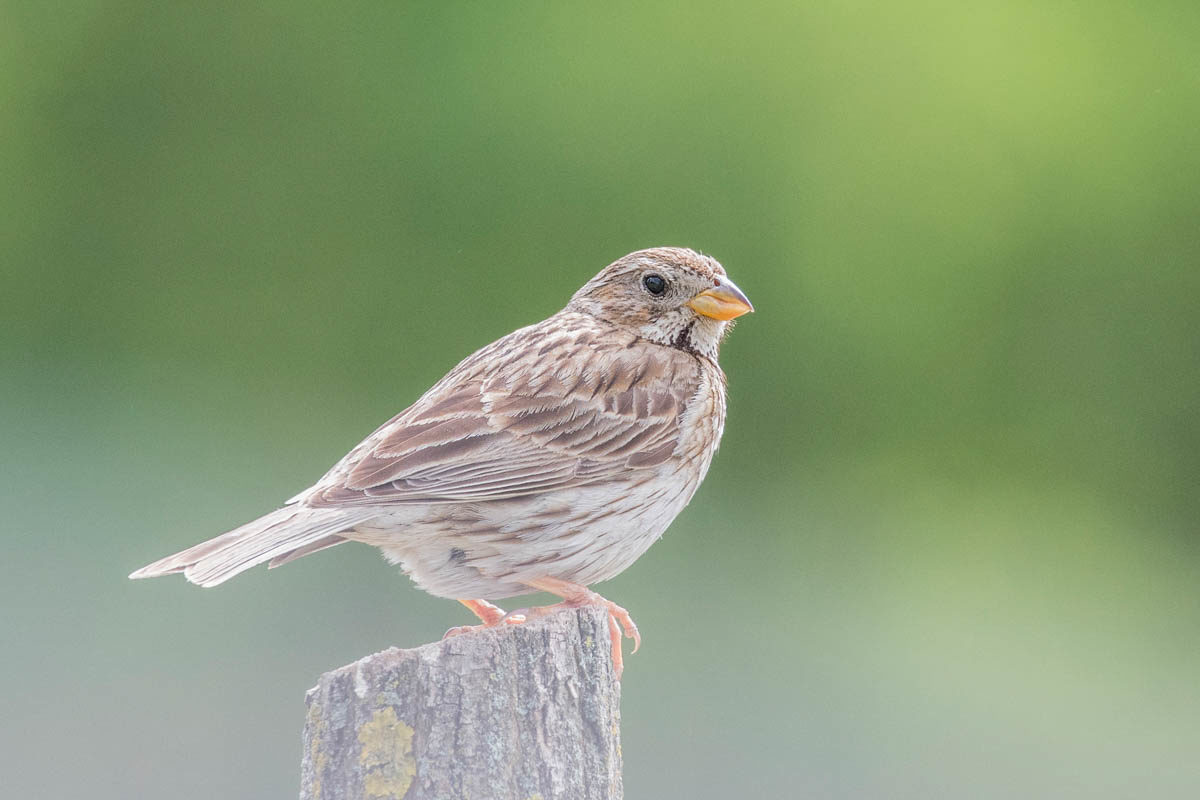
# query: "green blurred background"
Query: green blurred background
948,548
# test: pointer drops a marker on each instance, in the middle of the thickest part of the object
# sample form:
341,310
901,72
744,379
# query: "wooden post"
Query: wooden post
524,711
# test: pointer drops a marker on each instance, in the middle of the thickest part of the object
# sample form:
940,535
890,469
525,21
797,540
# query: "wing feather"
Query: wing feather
525,418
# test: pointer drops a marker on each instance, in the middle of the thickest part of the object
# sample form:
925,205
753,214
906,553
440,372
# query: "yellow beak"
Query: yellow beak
723,301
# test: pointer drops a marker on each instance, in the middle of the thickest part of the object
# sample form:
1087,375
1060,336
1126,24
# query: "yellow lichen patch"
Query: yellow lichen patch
387,757
316,754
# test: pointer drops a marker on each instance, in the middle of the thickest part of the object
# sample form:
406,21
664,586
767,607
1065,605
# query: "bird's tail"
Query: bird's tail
278,537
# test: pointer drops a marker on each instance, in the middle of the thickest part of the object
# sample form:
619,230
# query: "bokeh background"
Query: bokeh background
949,547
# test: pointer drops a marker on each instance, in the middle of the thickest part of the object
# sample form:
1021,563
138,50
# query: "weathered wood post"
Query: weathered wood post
525,711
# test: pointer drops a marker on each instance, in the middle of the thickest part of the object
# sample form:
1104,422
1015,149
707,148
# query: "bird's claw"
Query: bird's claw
628,626
491,615
459,630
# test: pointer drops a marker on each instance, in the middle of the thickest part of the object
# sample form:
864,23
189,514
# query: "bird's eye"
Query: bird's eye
655,284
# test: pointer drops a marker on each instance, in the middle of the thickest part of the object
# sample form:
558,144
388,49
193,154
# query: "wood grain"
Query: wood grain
527,711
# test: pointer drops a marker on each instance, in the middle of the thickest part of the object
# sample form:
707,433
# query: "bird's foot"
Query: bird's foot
492,616
574,596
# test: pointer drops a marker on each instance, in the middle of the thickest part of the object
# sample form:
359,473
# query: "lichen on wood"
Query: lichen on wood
513,712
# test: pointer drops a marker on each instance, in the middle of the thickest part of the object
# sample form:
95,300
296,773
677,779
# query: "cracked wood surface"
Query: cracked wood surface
526,711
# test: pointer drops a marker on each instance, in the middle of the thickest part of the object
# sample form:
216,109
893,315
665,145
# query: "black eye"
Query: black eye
655,284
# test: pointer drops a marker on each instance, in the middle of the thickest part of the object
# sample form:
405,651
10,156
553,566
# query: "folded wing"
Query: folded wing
587,414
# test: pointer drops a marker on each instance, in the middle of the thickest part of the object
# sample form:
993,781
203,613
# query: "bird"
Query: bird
549,460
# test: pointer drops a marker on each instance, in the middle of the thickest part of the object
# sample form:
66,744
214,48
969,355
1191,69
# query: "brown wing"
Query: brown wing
536,411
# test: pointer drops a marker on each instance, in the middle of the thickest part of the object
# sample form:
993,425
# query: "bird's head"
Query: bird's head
672,296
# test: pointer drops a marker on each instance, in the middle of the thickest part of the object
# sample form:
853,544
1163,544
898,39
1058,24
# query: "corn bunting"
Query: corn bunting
549,460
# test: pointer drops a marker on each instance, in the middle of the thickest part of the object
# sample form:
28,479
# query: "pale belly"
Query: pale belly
485,550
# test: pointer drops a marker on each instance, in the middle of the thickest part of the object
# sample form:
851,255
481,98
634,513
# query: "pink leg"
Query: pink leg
491,615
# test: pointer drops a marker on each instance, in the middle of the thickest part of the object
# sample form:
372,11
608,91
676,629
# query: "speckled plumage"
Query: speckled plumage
561,451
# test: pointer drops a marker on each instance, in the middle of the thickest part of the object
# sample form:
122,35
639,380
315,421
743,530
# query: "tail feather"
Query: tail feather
279,537
306,550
